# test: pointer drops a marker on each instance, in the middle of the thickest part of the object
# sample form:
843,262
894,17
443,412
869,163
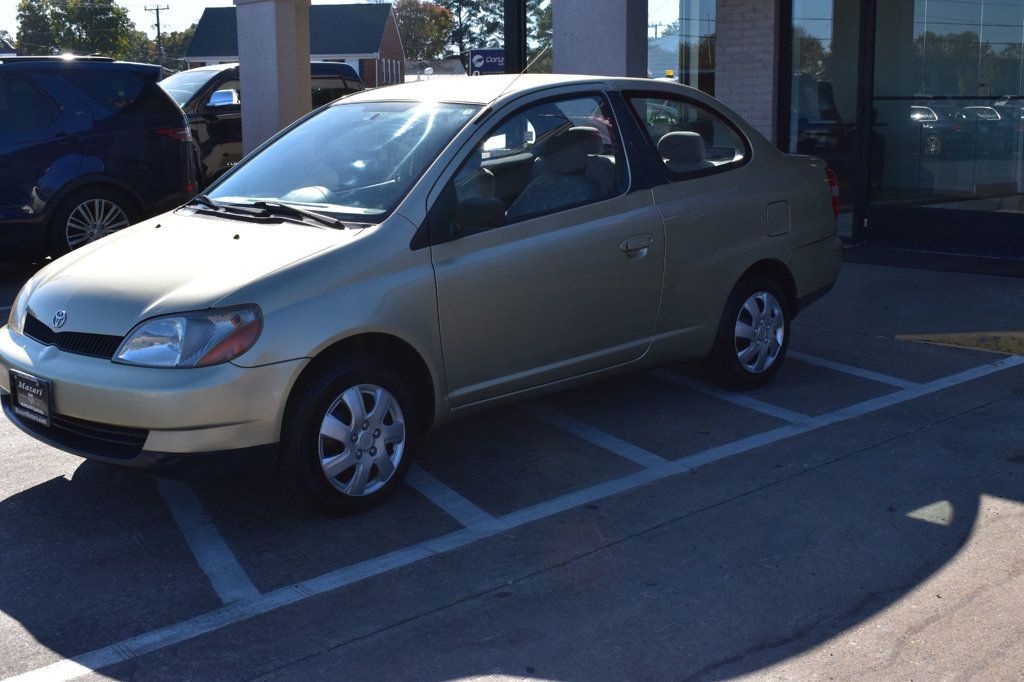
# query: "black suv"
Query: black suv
211,97
88,146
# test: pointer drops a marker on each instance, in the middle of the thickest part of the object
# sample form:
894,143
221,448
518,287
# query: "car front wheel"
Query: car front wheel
348,439
753,335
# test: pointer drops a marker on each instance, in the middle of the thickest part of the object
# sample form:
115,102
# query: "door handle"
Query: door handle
637,245
66,138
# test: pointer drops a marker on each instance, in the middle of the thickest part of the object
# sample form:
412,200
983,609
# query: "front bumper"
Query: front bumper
141,416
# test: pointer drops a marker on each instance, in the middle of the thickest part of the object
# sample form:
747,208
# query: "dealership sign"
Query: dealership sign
485,61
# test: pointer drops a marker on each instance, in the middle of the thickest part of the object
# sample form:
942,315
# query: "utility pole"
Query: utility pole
656,27
156,9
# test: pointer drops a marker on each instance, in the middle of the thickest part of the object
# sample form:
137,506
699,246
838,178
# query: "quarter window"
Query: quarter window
23,106
549,157
690,139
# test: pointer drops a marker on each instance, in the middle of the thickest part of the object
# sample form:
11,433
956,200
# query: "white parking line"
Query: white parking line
454,504
735,398
237,612
850,369
226,575
601,439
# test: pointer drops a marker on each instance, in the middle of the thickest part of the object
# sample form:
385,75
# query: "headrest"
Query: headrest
684,146
595,143
566,154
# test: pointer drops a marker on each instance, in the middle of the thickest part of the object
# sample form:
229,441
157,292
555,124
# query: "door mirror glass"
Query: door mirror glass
478,215
224,98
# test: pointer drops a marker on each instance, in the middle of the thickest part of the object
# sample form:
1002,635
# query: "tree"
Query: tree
424,26
175,45
36,34
94,26
78,26
812,56
475,23
540,58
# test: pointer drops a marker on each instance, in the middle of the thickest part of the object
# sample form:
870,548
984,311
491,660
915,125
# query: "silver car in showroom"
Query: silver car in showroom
409,255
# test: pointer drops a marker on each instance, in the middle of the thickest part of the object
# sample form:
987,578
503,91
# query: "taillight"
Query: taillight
179,134
833,183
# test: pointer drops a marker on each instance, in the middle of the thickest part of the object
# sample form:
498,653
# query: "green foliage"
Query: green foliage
475,23
540,23
77,26
36,34
424,26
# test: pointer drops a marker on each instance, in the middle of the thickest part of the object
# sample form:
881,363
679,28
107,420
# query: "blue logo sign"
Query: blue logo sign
485,61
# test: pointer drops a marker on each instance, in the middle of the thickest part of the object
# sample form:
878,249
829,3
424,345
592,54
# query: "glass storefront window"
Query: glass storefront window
823,90
681,41
948,105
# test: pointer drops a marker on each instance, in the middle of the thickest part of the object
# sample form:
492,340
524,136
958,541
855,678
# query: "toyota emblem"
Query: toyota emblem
60,318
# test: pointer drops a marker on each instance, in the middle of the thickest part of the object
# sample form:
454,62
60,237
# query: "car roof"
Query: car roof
63,63
489,89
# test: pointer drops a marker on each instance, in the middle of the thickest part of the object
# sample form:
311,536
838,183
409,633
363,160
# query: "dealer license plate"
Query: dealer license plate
32,397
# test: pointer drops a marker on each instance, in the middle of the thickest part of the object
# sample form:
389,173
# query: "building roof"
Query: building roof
333,30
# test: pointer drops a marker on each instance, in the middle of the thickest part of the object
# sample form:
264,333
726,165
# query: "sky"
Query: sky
183,13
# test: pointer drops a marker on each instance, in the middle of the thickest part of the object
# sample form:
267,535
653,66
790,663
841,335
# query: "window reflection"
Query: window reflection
948,106
824,85
681,42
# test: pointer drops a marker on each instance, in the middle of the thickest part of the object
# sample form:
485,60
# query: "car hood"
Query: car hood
173,263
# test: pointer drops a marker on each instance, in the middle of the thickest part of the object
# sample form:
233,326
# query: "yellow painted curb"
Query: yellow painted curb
1011,343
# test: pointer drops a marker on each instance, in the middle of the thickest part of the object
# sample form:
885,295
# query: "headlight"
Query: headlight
19,311
197,339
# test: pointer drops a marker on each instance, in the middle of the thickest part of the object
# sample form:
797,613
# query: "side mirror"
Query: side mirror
224,98
479,215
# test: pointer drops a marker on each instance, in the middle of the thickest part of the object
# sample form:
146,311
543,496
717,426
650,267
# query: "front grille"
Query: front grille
86,438
94,345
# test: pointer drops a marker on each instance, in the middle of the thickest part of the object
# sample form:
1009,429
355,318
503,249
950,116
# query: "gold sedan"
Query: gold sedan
407,256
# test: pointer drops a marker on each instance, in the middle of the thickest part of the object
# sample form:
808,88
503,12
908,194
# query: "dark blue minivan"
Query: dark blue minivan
88,146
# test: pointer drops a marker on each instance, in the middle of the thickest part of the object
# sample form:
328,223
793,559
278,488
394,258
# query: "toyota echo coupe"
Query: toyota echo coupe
405,256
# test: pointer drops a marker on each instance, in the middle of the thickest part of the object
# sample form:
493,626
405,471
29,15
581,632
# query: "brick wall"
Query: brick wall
390,68
746,68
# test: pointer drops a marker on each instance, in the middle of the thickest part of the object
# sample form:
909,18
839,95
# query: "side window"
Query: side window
23,106
113,91
546,158
689,137
327,89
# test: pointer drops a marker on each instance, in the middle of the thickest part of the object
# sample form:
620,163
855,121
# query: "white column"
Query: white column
600,37
273,53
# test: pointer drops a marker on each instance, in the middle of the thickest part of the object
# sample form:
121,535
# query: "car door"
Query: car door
714,206
39,146
560,276
220,147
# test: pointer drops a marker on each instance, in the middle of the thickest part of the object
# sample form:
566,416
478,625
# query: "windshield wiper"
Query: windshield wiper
274,207
203,200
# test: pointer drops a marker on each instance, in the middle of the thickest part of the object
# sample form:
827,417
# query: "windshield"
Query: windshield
356,159
183,85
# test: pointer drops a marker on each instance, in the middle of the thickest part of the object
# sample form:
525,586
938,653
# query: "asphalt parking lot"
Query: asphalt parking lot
861,516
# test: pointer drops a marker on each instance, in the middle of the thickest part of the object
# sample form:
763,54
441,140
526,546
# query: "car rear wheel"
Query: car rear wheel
348,438
753,335
88,215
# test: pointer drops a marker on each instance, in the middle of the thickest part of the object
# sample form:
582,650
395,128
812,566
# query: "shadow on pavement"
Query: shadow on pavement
738,584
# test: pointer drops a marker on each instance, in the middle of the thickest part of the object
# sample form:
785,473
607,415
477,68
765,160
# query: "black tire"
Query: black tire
302,441
724,361
56,238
